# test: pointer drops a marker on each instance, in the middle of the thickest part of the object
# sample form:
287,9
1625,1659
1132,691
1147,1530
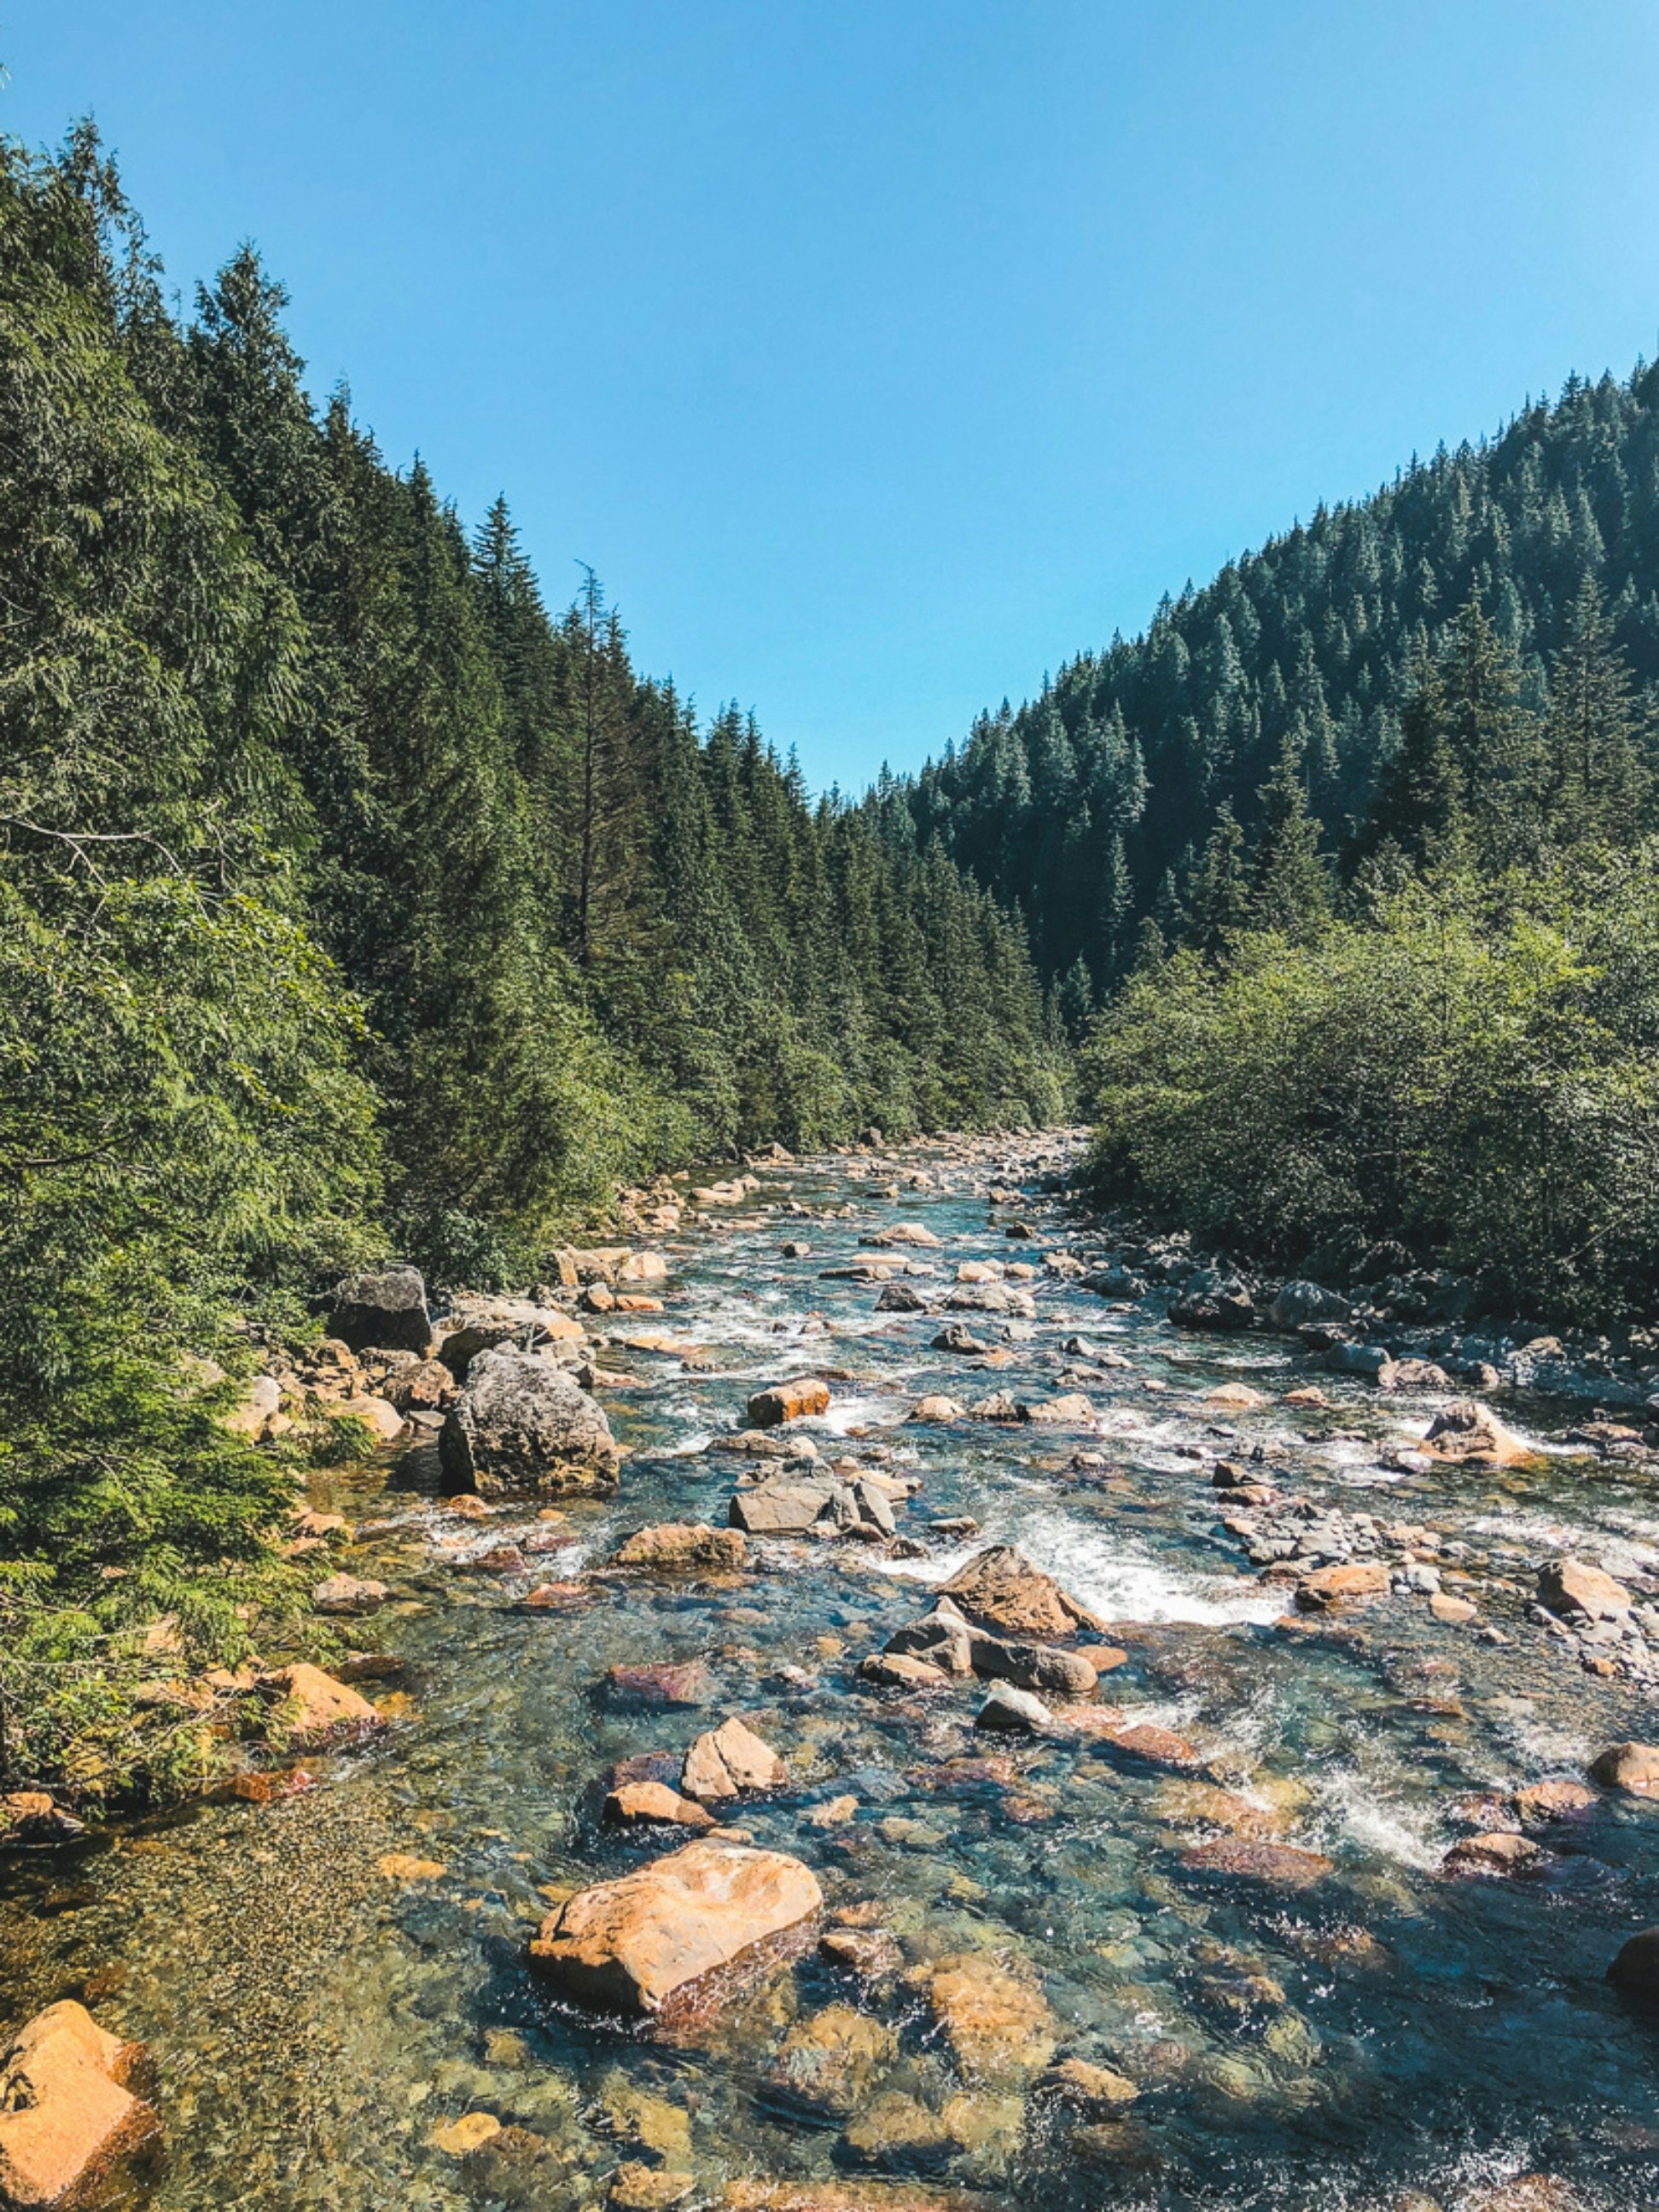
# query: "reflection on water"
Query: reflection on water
317,2019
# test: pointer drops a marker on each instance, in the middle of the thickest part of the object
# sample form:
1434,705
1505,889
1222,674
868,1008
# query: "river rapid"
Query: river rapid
318,2014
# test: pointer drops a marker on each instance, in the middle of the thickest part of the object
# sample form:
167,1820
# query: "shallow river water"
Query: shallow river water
315,2020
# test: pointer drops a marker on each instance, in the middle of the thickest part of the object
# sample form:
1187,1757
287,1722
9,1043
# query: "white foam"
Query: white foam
1118,1578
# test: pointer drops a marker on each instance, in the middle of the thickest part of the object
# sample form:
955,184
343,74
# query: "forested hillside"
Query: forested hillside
352,903
1091,807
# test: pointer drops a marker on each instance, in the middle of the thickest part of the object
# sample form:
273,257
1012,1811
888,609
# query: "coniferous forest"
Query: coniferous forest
1342,873
356,902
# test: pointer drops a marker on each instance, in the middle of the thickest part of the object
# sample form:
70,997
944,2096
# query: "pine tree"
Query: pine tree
1596,735
1289,888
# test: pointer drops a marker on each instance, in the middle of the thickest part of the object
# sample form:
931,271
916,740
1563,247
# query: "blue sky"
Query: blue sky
881,357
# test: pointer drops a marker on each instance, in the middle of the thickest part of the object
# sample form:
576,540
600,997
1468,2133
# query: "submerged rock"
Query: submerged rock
991,2014
663,1682
521,1428
829,2059
1275,1866
1636,1968
654,1936
67,2117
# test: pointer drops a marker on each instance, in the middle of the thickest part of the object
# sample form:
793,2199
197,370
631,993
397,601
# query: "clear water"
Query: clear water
315,2021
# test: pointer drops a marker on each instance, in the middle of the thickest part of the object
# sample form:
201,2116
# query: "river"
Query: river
316,2019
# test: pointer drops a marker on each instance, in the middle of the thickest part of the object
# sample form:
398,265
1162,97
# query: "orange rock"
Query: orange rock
649,1804
1332,1586
1472,1436
1001,1588
653,1937
994,2017
728,1761
323,1711
683,1547
66,2115
788,1401
1156,1746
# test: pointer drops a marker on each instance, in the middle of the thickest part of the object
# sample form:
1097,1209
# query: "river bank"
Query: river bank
336,1986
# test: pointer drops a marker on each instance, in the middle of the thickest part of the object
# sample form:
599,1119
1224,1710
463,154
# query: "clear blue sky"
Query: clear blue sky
881,357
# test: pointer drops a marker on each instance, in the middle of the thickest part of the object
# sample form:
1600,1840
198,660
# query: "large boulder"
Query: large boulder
1630,1766
1579,1591
67,2116
946,1639
1471,1435
521,1427
1000,1588
383,1312
1298,1302
1636,1968
649,1940
480,1324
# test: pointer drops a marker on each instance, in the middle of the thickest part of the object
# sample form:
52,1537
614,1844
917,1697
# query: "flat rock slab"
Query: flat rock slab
632,1946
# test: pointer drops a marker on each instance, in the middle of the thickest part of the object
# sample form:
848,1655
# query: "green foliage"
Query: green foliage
349,900
1469,1068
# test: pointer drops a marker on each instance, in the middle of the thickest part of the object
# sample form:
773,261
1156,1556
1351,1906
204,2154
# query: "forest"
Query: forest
353,902
1342,873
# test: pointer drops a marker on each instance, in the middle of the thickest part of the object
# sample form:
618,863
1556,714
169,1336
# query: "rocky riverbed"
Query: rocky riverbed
970,1742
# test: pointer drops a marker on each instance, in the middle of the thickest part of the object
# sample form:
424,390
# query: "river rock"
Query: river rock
1470,1434
802,1399
260,1405
653,1804
382,1312
521,1427
662,1682
1301,1301
683,1547
829,2059
639,1943
1579,1592
937,1409
67,2117
1326,1588
323,1711
730,1761
992,1298
1636,1968
1092,2088
30,1821
1275,1866
349,1594
1013,1712
1631,1766
899,1297
1500,1851
1001,1588
425,1388
1146,1743
899,1670
994,2017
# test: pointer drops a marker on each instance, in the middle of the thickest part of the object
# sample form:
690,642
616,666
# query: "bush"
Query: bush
1469,1069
